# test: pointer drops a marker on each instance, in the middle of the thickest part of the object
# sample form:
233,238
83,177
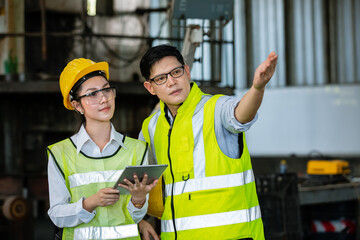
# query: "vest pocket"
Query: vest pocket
207,194
184,156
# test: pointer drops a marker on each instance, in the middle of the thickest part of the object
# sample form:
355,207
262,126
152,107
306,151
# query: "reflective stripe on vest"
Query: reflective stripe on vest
197,120
117,232
151,134
212,220
80,179
208,183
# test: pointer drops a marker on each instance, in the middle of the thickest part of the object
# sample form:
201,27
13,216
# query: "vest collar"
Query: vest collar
190,102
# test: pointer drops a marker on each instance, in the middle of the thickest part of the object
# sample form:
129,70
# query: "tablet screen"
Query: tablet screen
153,172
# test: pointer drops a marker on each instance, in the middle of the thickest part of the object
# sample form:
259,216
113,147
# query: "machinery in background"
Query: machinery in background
208,30
329,201
14,207
322,172
325,167
280,209
193,38
211,9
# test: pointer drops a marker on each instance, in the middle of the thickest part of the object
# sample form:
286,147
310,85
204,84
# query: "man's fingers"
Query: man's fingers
273,61
124,186
154,234
145,178
272,55
153,184
136,180
129,183
145,236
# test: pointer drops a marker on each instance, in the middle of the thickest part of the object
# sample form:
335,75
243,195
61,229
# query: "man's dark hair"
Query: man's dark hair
155,54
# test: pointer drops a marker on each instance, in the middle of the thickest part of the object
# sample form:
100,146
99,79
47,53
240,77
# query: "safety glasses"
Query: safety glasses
95,97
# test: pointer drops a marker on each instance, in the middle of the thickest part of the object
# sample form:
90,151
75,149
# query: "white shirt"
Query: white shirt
66,214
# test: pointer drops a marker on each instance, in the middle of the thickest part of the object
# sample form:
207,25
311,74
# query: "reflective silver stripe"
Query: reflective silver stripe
199,151
116,232
80,179
208,183
151,129
212,220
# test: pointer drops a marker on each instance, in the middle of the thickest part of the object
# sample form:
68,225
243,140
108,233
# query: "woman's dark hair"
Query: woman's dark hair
80,117
155,54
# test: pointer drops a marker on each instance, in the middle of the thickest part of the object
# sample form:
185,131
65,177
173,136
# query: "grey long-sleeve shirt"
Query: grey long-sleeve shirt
226,125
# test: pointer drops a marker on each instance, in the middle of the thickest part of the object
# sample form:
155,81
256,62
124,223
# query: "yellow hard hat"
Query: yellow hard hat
75,70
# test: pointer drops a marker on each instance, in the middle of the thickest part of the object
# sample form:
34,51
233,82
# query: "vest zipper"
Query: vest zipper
173,182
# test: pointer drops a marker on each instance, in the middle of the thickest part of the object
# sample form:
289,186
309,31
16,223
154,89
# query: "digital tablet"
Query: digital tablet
153,172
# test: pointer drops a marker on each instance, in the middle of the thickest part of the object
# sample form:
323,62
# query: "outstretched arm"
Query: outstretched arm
251,101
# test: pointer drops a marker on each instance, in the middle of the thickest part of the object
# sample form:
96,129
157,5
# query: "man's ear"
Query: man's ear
149,87
187,71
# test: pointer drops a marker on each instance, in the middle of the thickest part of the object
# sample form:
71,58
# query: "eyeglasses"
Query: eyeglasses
162,78
95,97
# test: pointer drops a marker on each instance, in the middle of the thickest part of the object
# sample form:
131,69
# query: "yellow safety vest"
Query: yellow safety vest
208,195
84,176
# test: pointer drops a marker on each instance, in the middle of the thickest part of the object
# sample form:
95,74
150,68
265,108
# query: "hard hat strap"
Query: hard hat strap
83,79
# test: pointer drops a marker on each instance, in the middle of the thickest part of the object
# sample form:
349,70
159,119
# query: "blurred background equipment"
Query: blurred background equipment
322,172
311,103
212,10
15,208
328,167
280,207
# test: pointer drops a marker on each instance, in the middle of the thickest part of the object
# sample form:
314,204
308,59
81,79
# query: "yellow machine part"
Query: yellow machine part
328,167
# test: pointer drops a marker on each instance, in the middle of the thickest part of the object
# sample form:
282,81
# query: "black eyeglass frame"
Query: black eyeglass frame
166,75
99,90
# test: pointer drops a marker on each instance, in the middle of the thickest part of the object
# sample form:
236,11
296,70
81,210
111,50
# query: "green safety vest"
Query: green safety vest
85,176
208,195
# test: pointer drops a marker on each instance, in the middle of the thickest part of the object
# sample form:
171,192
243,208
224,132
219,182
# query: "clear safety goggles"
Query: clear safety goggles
95,97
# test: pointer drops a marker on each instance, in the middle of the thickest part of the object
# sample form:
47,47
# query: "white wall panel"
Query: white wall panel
308,35
357,39
347,15
280,43
299,120
268,34
240,44
319,44
298,76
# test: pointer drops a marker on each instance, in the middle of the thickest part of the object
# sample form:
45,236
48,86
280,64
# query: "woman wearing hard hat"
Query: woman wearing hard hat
82,169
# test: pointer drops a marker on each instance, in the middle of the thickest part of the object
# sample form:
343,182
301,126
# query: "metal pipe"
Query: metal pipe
43,30
84,25
221,31
145,10
69,34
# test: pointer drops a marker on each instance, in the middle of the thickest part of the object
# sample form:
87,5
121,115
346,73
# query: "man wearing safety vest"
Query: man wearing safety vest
210,190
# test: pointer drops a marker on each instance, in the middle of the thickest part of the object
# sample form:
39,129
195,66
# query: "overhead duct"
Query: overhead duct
199,9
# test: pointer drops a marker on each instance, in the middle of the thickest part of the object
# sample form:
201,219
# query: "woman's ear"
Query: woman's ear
77,106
